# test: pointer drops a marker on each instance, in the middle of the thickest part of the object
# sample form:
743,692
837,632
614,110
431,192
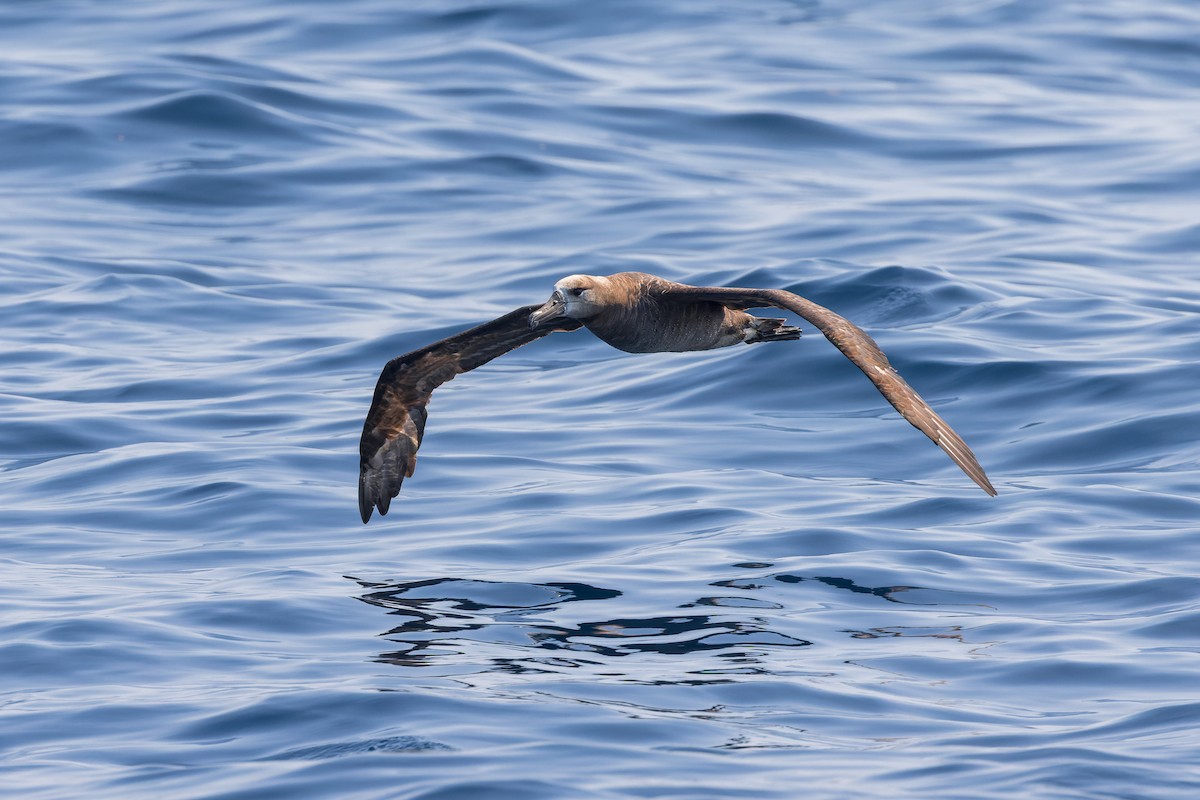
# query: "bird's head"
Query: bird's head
575,297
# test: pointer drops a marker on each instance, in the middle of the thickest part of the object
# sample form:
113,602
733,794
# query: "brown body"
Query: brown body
634,312
645,321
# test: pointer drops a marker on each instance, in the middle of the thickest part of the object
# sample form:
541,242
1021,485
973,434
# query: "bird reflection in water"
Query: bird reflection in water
506,627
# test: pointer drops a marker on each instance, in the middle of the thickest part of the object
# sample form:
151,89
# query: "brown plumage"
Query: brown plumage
631,311
395,424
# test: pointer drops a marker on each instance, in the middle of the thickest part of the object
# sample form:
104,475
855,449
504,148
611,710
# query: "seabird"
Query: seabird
634,312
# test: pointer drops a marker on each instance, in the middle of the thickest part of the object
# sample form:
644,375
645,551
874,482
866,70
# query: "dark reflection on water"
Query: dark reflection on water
886,592
391,744
443,616
446,619
951,632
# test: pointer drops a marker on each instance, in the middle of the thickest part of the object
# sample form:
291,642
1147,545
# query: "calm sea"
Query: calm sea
735,574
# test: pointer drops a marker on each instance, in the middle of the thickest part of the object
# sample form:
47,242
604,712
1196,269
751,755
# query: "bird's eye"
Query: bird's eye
575,292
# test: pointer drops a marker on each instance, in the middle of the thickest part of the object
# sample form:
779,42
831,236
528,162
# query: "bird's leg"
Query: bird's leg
770,330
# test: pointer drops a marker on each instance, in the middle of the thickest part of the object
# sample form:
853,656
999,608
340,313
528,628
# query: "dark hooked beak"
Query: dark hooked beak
553,310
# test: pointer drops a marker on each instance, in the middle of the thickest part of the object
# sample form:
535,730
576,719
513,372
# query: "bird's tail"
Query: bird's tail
772,330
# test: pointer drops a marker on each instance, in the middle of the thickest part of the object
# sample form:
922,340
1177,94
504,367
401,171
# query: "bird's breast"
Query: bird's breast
662,327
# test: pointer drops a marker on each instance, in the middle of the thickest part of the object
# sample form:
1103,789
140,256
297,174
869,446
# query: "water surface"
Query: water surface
726,574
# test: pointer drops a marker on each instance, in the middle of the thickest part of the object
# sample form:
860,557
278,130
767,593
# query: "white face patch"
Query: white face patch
575,282
580,295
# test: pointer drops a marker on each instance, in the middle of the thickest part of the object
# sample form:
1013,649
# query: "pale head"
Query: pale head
575,297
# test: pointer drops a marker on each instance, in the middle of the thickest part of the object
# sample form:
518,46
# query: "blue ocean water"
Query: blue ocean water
709,575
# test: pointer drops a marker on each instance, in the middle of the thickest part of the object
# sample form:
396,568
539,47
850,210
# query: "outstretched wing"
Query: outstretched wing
396,422
860,348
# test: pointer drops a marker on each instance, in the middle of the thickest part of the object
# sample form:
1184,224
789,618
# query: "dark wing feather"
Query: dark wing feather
860,348
396,422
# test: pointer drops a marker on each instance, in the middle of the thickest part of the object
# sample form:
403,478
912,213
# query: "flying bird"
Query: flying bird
634,312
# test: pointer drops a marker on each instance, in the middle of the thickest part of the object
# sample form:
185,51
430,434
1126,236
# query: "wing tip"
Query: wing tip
366,510
961,454
970,465
365,505
374,495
